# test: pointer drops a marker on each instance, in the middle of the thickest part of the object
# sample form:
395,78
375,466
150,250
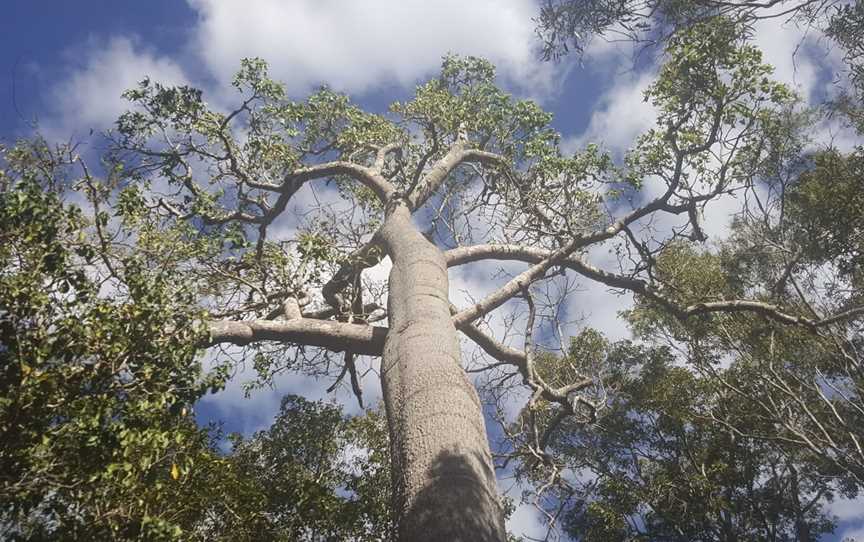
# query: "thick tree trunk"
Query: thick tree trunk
443,477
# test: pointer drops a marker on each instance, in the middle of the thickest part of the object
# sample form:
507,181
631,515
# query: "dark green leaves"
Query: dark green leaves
95,387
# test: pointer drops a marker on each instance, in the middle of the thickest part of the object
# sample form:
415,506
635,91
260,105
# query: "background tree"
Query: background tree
791,391
846,27
570,25
658,466
316,476
95,415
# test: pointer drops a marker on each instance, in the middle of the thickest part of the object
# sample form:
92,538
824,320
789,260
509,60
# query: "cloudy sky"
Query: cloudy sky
63,65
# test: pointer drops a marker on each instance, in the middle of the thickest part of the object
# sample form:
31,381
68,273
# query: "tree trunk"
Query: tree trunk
443,478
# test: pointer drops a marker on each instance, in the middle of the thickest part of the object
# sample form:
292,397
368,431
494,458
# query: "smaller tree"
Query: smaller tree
98,369
315,475
658,466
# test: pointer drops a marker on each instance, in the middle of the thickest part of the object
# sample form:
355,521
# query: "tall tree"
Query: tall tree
415,185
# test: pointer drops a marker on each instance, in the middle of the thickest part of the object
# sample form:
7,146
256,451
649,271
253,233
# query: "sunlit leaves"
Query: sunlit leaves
465,100
93,385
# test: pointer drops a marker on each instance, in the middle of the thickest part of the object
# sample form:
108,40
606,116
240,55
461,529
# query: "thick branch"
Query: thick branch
442,169
538,256
334,336
371,178
514,286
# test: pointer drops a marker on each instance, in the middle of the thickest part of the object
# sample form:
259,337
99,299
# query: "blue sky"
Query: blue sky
63,65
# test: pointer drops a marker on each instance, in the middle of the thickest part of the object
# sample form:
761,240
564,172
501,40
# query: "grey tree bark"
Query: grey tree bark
444,480
443,477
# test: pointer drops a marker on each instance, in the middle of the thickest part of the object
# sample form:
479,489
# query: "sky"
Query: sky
64,64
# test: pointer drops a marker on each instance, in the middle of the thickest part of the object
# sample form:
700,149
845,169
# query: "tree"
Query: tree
796,241
757,424
739,427
315,475
806,384
658,466
565,25
846,28
415,184
97,390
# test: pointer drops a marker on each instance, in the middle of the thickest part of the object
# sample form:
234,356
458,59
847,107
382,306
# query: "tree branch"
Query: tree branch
439,172
497,350
514,286
540,256
370,178
334,336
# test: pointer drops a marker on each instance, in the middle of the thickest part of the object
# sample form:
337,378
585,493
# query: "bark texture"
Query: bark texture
444,481
336,336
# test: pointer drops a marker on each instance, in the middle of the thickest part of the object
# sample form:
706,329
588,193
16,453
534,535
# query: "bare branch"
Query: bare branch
540,257
370,178
497,350
514,286
334,336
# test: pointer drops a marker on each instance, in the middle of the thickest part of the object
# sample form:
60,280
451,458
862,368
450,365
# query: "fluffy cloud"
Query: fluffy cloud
349,46
853,535
620,115
256,411
357,46
90,96
799,55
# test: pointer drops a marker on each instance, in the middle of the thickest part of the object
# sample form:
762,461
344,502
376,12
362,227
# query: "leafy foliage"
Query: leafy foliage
100,373
666,470
743,434
98,440
314,475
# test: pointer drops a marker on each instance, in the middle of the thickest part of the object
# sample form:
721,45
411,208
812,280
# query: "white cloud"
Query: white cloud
853,535
848,509
525,521
358,46
795,52
620,115
597,305
90,97
256,411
